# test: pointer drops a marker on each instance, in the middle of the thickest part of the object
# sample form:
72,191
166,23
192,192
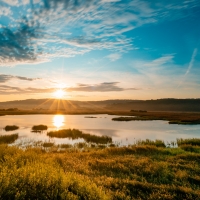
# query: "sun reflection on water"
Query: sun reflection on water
58,121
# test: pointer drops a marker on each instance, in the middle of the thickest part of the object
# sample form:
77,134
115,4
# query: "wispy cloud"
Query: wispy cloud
102,87
165,59
5,89
40,30
115,56
4,78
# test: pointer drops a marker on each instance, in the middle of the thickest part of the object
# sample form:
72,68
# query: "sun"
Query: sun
59,94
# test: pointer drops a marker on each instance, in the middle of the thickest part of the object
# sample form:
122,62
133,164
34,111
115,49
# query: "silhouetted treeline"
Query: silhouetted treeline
185,105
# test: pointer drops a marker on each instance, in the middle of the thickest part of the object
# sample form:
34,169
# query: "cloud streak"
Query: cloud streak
4,78
102,87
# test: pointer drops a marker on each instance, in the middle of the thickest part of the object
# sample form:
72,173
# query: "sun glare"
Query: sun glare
58,121
59,94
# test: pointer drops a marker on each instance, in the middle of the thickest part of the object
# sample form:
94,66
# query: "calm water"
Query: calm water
123,133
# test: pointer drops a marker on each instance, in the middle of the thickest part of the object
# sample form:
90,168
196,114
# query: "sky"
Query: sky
99,49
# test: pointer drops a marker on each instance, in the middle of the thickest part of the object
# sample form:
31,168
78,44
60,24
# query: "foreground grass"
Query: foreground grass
136,172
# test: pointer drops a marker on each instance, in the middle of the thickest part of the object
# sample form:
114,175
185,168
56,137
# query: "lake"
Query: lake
122,133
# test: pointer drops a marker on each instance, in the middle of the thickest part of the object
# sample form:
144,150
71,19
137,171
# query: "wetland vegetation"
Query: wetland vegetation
39,128
171,117
11,127
8,139
76,134
140,171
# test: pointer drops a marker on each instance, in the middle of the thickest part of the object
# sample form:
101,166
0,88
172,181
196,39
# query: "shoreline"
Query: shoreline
182,118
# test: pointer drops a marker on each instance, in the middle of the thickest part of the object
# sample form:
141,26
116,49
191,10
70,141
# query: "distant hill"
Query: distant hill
180,105
185,105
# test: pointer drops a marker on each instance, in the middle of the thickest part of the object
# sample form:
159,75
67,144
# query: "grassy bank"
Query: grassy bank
136,172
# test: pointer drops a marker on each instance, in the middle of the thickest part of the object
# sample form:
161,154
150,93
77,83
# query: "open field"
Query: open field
136,172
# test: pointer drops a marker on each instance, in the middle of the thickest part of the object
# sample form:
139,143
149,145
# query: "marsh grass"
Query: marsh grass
157,143
191,148
48,144
39,128
135,172
192,141
76,134
11,127
8,139
33,174
65,146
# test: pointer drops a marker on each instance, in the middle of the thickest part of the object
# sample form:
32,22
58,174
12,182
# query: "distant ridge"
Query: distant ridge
168,104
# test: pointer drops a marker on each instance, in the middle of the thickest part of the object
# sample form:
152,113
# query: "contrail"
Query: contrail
191,61
189,66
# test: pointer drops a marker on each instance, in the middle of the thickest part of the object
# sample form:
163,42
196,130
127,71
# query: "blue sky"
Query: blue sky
96,50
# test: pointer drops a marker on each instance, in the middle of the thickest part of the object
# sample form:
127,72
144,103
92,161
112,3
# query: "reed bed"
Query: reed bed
157,143
76,134
192,141
8,139
38,128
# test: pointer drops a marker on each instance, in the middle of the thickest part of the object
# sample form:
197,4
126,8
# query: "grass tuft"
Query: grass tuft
40,127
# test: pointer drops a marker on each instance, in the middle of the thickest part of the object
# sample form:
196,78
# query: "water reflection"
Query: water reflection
58,121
